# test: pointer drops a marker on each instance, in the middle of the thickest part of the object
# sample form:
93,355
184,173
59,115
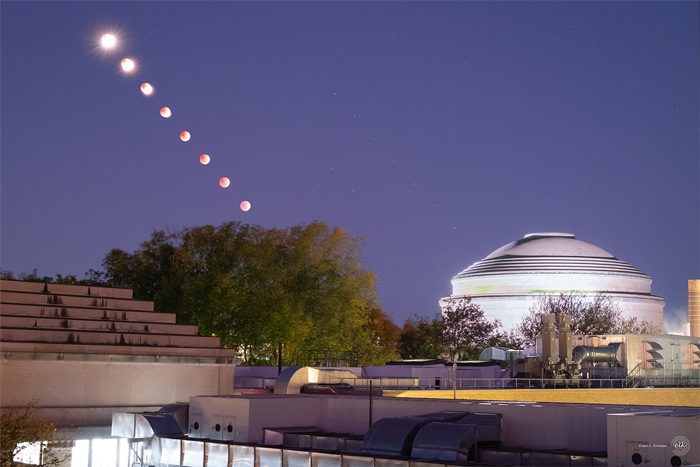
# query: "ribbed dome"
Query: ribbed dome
550,244
510,281
550,252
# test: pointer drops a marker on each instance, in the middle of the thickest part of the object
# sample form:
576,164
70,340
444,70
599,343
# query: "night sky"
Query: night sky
437,132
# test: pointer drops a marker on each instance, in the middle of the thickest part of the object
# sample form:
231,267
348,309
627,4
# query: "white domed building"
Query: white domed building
510,280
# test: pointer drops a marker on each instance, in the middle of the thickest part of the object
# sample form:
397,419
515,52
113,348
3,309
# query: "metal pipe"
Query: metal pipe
279,358
370,402
454,383
584,353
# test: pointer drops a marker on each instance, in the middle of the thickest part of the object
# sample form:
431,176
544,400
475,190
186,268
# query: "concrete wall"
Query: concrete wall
652,436
85,393
511,308
250,415
509,296
535,426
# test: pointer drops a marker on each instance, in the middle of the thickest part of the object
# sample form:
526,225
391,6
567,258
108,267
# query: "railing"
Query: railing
326,358
452,384
634,377
610,373
684,378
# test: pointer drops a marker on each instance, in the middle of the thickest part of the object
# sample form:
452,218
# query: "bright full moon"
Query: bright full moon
165,112
185,136
224,182
245,206
108,41
204,159
146,89
128,65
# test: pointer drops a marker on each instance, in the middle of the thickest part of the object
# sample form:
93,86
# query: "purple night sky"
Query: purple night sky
436,131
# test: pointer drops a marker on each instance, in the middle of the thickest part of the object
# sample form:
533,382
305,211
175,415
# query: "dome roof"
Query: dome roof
550,253
550,244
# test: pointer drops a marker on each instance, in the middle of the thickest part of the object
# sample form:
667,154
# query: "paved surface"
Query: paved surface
679,397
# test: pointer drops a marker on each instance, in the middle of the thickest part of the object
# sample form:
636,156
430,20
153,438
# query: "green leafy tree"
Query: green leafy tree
421,338
508,339
466,331
634,325
6,275
20,431
92,278
588,317
382,337
254,287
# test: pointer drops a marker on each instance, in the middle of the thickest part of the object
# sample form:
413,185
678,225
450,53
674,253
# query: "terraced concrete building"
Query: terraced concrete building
508,281
81,353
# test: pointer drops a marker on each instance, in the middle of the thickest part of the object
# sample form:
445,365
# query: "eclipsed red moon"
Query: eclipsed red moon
146,89
224,182
185,136
245,206
204,159
128,65
165,112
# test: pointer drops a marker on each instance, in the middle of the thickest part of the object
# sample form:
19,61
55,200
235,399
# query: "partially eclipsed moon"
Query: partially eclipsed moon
245,206
185,136
108,41
146,89
128,65
224,182
165,112
204,159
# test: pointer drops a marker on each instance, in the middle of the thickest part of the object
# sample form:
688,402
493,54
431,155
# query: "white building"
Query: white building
509,281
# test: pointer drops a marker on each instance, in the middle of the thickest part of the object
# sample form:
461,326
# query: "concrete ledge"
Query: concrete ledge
44,347
109,292
75,300
65,289
22,309
114,358
104,338
60,323
21,286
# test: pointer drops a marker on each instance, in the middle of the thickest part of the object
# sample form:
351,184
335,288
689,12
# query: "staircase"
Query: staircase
72,319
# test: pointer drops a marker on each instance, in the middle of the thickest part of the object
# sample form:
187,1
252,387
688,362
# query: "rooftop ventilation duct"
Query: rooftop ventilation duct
398,436
164,425
392,436
169,422
611,354
444,441
489,424
446,416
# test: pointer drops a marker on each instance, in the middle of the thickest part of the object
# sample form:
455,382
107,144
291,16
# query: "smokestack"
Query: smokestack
548,335
565,346
694,306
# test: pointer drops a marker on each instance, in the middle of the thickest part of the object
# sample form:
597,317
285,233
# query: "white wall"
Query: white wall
86,393
651,436
536,426
511,308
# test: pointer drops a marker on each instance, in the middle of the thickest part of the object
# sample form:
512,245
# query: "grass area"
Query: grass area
679,397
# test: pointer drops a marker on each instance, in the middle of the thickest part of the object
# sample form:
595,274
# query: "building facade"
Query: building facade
510,280
80,353
694,307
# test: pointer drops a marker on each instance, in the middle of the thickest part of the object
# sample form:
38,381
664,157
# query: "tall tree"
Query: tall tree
466,331
421,338
601,315
254,287
383,336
